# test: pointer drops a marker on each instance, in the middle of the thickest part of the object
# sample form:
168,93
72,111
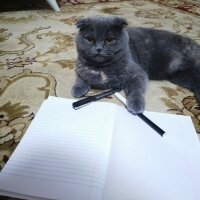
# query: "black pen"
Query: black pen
83,102
142,116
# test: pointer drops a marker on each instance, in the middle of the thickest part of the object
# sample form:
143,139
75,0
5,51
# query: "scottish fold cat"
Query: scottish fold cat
112,55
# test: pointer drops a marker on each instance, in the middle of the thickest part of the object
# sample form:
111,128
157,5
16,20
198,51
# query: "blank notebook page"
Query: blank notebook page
145,166
64,153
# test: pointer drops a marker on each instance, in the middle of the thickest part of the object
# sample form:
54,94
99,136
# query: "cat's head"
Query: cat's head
101,39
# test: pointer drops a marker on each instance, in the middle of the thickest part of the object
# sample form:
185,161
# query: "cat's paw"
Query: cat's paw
79,90
136,105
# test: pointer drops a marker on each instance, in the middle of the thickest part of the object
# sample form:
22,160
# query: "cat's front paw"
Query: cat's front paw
79,90
136,105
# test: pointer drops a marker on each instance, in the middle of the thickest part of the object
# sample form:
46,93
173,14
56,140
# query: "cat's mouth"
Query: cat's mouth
99,58
100,55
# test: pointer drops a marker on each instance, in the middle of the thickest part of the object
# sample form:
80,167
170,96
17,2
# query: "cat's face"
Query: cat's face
101,39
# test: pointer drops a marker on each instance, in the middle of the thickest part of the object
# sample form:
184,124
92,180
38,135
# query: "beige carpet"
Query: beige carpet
38,54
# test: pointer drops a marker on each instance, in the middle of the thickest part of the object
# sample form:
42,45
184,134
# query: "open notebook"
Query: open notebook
102,152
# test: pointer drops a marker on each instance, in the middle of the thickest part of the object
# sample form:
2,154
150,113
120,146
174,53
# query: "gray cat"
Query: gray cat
110,55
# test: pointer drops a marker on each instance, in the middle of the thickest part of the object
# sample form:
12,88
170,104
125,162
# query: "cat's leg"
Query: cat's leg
80,87
135,92
190,79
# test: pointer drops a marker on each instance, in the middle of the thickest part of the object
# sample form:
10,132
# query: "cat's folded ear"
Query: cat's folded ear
120,22
82,23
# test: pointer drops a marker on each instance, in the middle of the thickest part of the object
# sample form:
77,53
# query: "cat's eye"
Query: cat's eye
90,39
109,40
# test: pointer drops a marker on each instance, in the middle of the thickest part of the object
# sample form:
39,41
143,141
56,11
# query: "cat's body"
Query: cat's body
111,55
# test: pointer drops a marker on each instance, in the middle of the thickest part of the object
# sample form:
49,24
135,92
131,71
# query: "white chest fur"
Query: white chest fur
100,75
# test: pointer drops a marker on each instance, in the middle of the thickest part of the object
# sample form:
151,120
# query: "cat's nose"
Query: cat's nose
99,49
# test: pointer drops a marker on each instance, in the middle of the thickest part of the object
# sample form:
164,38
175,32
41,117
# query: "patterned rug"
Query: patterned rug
38,54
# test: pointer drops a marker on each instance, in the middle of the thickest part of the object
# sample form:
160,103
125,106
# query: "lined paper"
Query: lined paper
145,166
64,154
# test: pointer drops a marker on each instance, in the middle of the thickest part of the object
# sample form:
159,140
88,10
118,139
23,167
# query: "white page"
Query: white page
64,153
145,166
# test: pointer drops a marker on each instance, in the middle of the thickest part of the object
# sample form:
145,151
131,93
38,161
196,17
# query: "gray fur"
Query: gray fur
111,55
